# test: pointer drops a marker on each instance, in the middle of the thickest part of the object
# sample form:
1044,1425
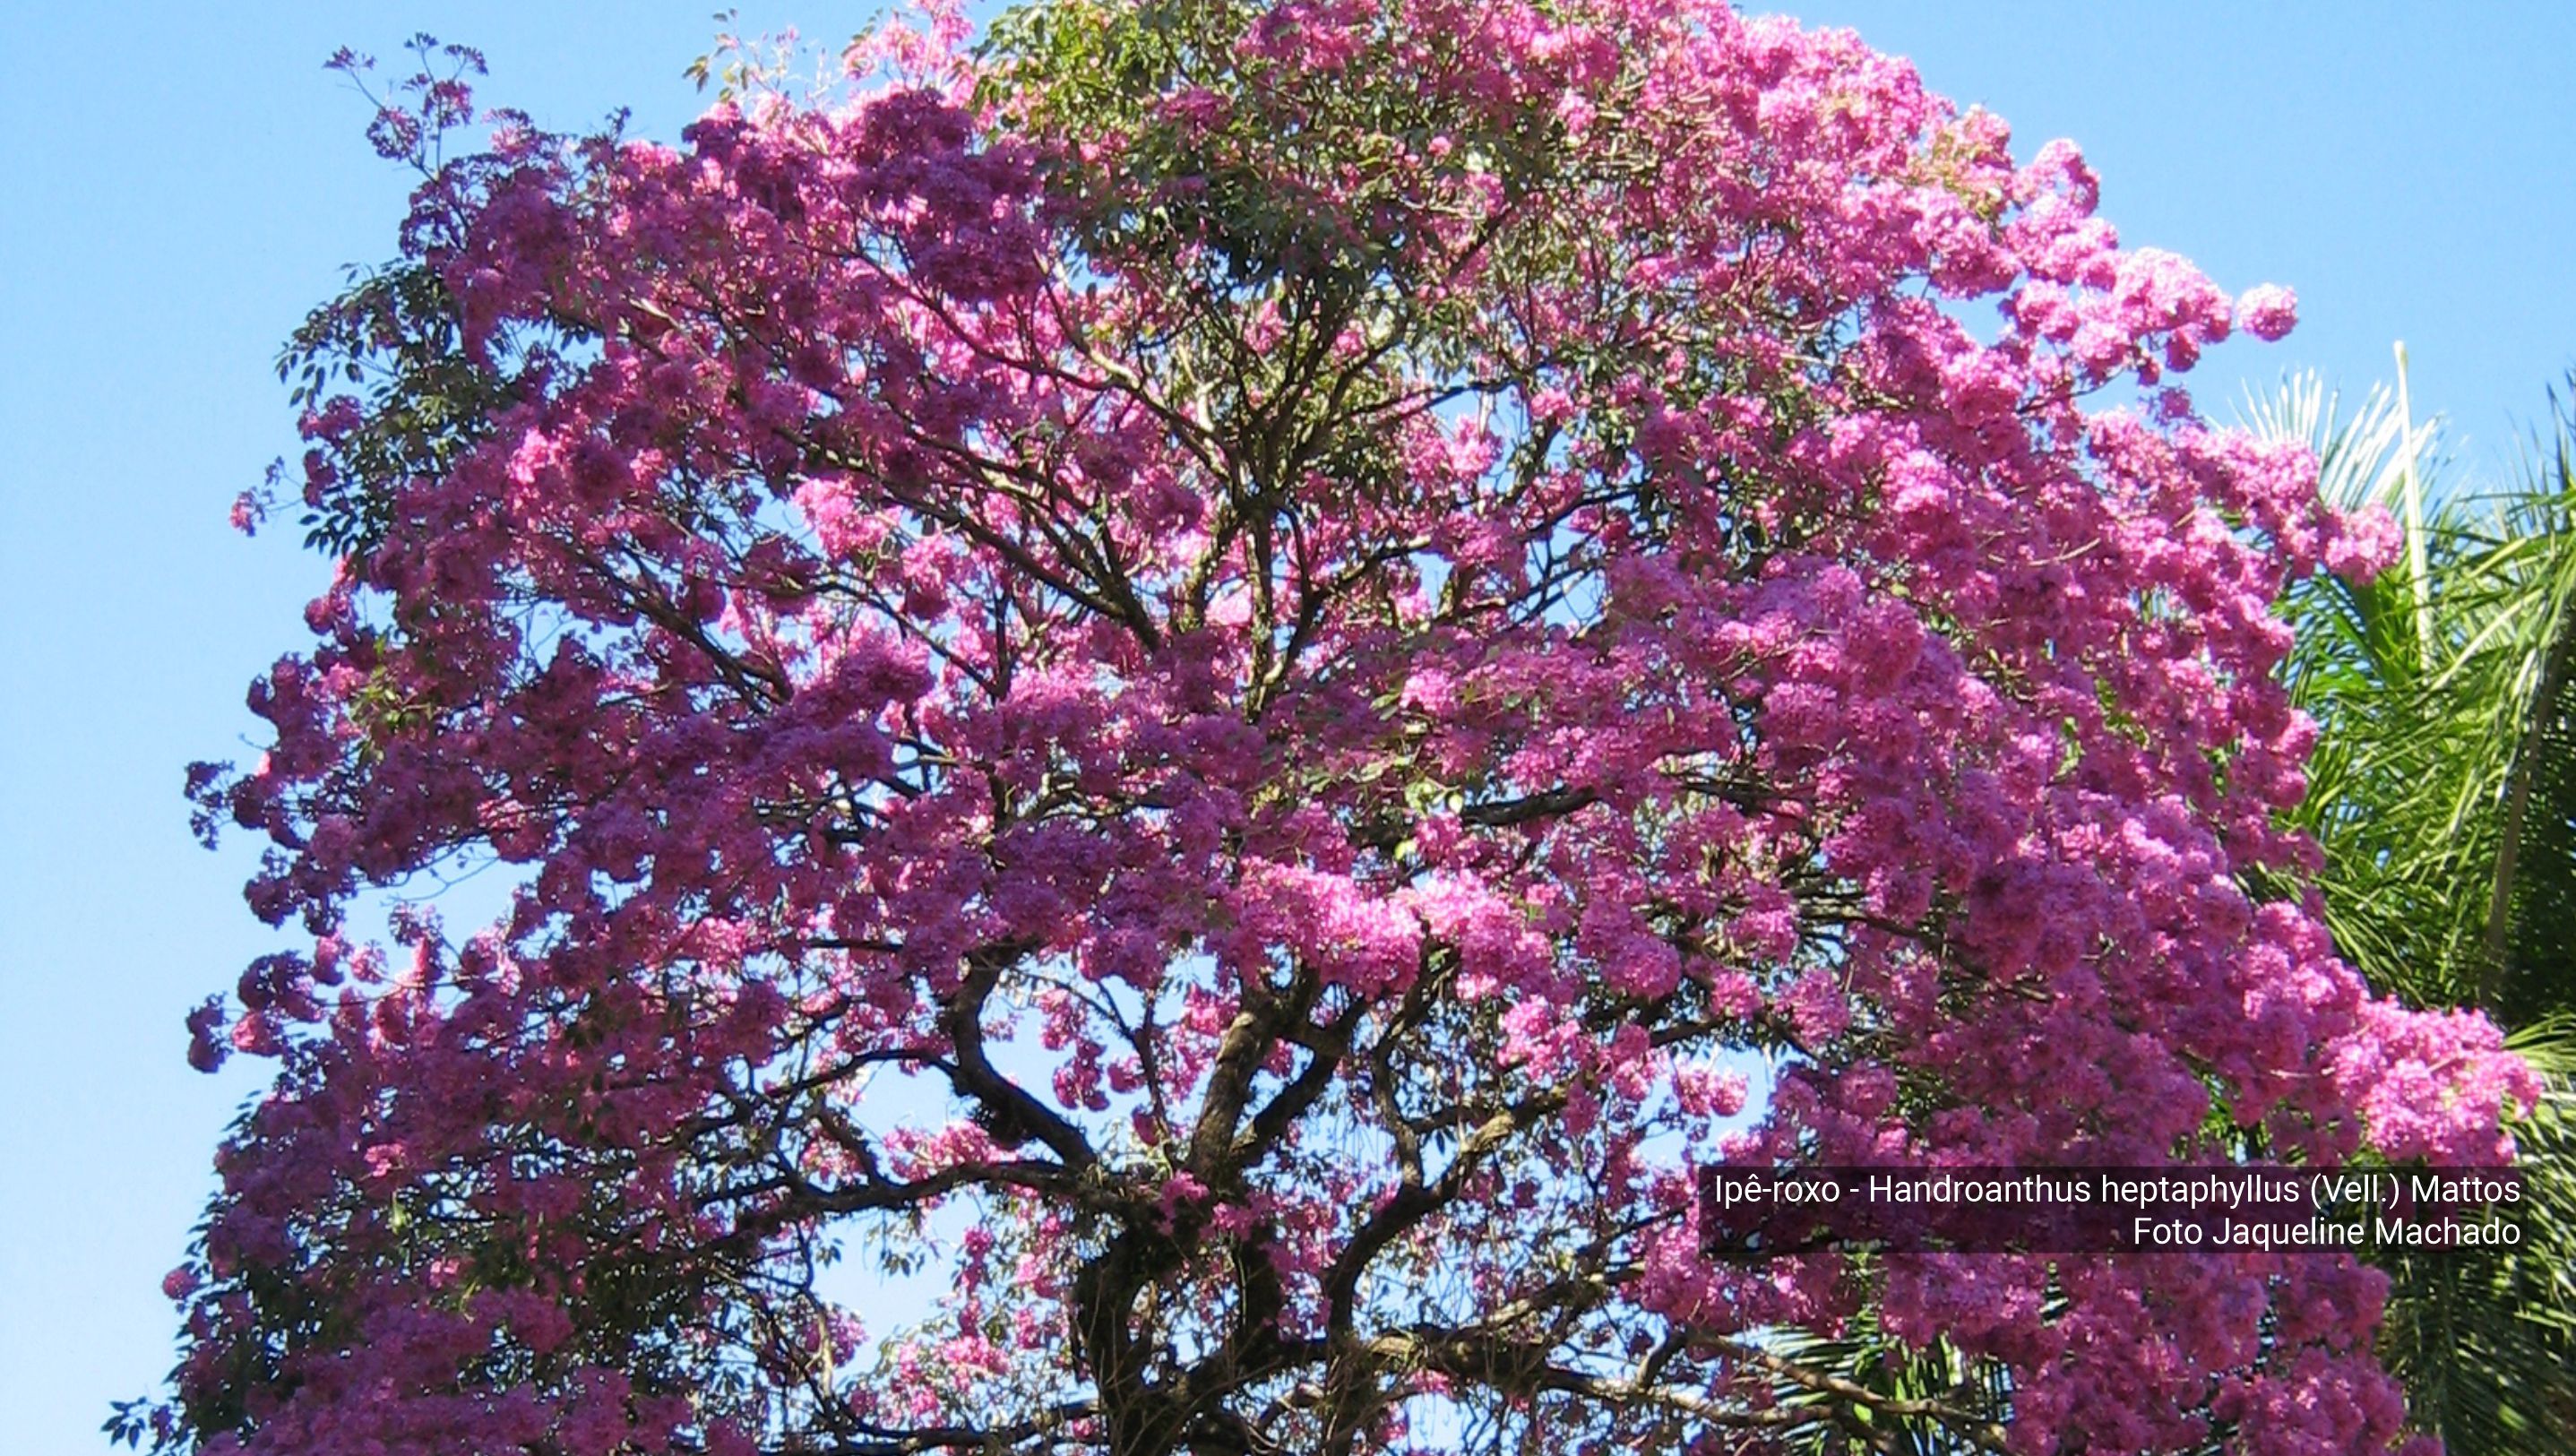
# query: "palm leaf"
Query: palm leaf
2443,793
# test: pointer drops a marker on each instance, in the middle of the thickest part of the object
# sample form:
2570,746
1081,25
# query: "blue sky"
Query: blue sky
184,181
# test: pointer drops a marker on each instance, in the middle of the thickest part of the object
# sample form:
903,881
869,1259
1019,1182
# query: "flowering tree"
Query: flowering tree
1318,616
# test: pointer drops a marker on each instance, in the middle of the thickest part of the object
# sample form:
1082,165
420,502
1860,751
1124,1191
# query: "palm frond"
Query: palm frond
2443,792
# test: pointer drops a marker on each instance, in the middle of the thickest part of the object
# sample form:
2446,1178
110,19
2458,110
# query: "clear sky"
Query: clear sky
183,181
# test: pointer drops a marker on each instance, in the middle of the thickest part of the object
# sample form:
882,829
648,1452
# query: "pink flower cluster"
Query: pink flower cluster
1310,686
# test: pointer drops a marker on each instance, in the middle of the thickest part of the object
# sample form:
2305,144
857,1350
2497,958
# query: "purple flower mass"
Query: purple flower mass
1313,627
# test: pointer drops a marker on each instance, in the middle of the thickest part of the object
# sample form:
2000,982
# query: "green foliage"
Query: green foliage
396,337
1863,1390
2443,792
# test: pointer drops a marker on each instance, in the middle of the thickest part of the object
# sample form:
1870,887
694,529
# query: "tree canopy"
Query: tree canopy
1322,618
